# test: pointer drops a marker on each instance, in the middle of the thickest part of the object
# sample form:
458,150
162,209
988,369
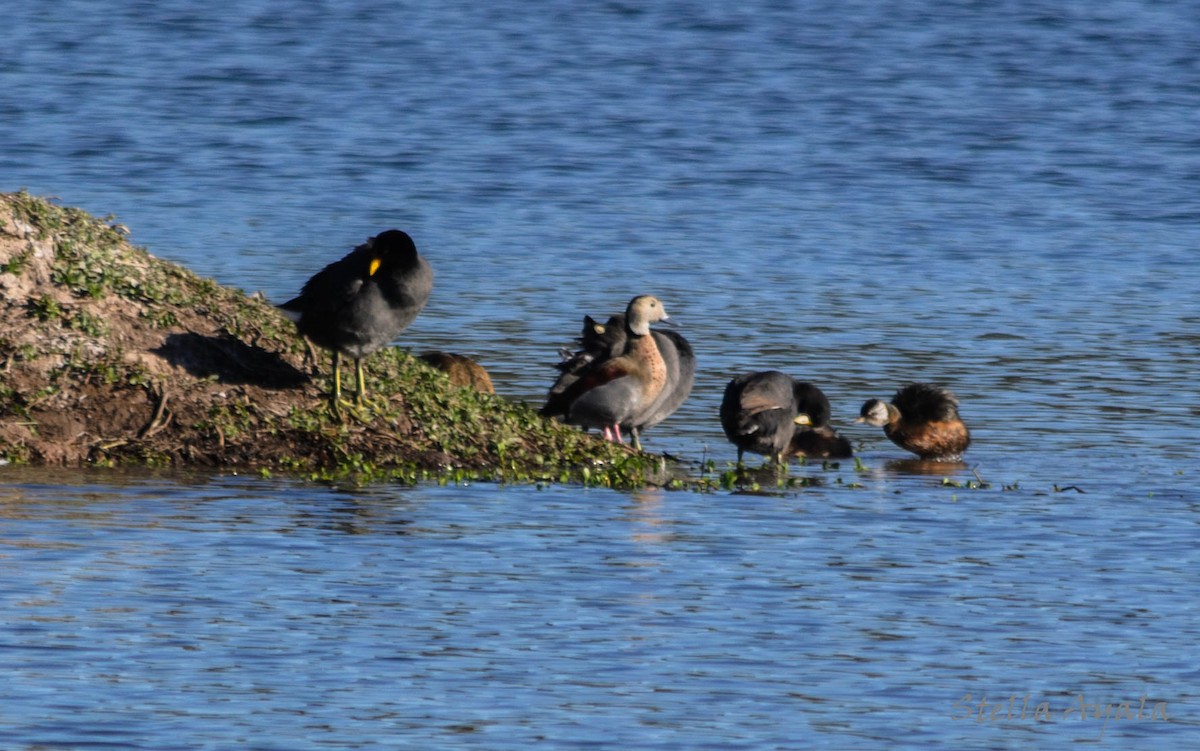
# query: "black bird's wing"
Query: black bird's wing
333,287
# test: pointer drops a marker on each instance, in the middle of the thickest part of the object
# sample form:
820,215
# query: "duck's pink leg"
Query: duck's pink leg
607,433
617,432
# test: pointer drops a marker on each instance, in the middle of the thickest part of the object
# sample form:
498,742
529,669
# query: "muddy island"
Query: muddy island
110,356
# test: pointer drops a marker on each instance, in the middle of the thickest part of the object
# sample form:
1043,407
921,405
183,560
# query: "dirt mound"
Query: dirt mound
109,355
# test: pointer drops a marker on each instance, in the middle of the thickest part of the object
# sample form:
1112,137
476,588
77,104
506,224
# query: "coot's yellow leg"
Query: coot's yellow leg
360,398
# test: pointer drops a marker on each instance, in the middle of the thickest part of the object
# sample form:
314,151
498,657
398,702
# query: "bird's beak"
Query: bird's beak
375,263
803,419
860,419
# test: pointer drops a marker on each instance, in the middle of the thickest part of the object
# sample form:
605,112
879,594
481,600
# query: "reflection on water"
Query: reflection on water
921,467
649,526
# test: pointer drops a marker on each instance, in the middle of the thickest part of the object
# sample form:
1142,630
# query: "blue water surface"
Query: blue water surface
998,196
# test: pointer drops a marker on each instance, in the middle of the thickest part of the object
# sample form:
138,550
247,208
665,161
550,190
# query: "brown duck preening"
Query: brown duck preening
922,418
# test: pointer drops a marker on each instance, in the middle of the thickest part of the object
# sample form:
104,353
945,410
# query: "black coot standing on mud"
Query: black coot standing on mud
354,306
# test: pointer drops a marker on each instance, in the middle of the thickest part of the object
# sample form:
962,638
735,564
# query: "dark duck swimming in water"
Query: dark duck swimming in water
921,418
354,306
772,414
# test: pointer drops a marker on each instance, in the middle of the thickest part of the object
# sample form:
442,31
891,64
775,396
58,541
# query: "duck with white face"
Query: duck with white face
922,418
616,391
601,342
